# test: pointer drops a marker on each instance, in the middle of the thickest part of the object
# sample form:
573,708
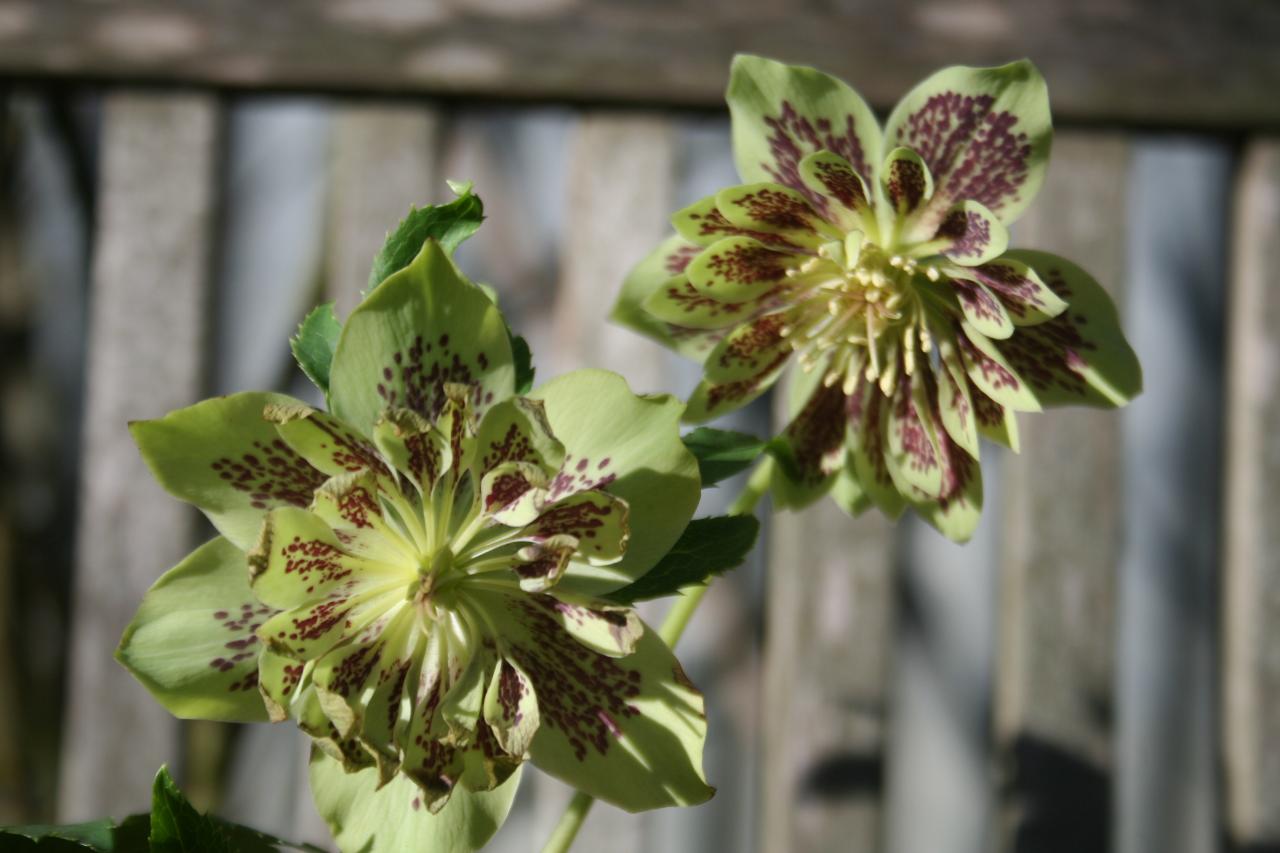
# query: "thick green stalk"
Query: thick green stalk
672,629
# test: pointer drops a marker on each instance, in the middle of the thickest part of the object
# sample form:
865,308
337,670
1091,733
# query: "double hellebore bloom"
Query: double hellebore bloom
876,260
416,578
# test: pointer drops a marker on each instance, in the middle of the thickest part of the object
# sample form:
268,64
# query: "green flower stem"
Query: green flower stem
672,629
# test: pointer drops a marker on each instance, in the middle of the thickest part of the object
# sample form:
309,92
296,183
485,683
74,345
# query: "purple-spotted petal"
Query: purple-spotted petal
982,309
911,439
225,458
422,328
955,400
326,442
740,269
867,408
627,730
816,449
514,493
541,564
781,113
702,224
300,560
668,261
598,520
516,430
995,421
282,681
958,509
678,303
630,447
511,708
413,446
847,201
905,181
991,371
984,133
712,399
1081,356
1026,298
969,235
750,350
778,210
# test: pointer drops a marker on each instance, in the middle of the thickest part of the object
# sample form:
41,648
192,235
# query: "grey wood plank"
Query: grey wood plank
1168,686
830,622
1251,597
385,159
1062,545
1211,63
145,357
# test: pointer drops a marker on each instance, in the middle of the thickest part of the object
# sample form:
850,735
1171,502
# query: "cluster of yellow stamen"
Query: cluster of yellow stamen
860,313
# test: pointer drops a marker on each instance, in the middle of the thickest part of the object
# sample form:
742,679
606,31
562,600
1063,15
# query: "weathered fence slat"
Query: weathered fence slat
1251,571
830,621
385,159
1053,703
145,357
1225,71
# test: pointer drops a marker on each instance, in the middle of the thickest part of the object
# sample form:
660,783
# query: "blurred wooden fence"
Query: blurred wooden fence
804,712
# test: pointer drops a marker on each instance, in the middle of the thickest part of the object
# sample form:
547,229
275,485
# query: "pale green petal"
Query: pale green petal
424,326
782,112
984,133
629,446
1081,356
366,819
192,641
668,261
225,458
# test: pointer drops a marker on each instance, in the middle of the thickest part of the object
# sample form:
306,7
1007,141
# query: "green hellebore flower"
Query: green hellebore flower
876,260
415,578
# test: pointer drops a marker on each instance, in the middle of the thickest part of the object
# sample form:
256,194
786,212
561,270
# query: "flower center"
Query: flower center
862,312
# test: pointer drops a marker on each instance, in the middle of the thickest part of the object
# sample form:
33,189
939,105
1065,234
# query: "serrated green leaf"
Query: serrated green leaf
524,363
721,453
98,835
315,342
708,546
447,224
176,827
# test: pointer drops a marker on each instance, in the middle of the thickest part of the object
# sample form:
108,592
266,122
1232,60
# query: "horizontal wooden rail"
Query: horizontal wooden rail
1206,63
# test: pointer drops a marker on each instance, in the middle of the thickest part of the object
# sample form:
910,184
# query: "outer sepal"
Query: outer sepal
630,447
424,327
1081,356
393,819
224,457
984,134
783,112
192,642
